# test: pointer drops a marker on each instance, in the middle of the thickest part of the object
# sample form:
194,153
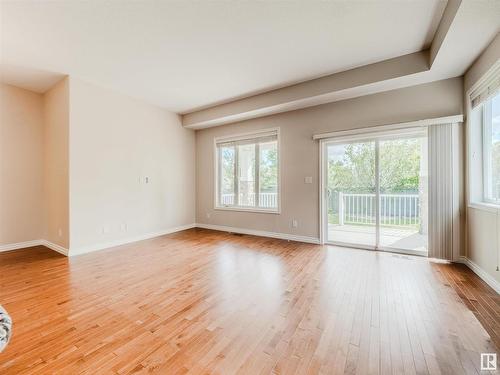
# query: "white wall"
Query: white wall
482,226
101,145
115,142
482,232
56,164
21,165
300,154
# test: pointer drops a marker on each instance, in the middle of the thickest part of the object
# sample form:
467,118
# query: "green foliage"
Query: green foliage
227,159
399,165
268,170
354,170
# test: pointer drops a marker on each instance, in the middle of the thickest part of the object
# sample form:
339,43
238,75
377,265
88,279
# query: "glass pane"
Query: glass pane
268,175
403,193
226,177
246,174
351,193
492,150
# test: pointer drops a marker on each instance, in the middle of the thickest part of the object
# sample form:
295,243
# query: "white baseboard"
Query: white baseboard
124,241
55,247
20,245
282,236
485,276
90,248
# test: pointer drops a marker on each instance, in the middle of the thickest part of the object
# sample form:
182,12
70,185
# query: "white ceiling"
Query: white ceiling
183,55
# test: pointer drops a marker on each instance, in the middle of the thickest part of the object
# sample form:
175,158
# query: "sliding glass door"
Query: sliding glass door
403,193
351,193
376,191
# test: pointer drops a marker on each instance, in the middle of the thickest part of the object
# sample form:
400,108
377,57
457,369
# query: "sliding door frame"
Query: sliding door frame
376,137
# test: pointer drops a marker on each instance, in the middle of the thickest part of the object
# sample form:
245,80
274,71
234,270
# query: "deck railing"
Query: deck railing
266,200
395,209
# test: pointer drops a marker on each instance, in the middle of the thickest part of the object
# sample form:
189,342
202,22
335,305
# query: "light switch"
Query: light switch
308,180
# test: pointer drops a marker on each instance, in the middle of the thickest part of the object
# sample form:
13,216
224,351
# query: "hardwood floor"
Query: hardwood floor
201,301
482,300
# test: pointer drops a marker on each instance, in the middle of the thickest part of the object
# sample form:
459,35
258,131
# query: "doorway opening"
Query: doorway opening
375,190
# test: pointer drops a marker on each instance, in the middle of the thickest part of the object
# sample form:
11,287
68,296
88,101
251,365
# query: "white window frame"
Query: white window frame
241,136
486,134
476,148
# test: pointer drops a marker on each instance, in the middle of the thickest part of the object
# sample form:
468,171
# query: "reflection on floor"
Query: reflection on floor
394,237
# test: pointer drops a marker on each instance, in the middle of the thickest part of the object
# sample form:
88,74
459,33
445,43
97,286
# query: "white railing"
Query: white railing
395,209
266,200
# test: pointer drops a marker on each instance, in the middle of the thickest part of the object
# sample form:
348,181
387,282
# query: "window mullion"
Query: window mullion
257,175
219,176
236,177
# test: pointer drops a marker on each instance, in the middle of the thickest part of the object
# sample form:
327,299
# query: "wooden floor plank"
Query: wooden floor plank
203,302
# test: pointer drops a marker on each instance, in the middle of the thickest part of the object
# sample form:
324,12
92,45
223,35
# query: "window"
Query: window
491,149
483,141
248,172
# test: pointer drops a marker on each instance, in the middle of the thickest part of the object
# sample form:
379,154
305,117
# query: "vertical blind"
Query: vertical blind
443,191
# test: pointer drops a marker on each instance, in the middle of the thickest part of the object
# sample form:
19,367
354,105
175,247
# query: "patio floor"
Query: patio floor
394,237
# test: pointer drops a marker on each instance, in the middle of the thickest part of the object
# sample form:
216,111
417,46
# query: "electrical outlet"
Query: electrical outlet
295,223
208,215
106,229
59,232
123,227
308,180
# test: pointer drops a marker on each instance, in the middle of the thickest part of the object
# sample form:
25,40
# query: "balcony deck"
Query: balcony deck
405,238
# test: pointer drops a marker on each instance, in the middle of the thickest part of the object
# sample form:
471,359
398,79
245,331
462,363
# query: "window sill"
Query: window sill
483,206
250,209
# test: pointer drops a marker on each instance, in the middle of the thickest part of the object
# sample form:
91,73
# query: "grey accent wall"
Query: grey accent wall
300,153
